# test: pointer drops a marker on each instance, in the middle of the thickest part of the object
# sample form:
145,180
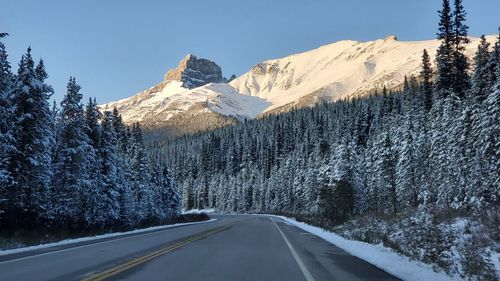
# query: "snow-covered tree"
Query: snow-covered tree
426,85
31,161
460,82
6,129
481,80
109,189
140,175
444,56
74,159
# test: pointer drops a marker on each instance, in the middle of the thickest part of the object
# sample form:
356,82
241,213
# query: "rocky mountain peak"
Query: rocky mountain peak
194,72
391,38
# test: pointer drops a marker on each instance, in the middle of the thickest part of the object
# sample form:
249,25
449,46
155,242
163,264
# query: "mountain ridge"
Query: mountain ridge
342,69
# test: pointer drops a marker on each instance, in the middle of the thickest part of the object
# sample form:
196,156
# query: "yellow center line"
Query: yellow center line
140,260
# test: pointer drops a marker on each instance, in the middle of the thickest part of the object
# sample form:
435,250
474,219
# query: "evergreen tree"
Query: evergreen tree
405,170
73,159
494,61
31,162
93,115
140,174
6,130
426,84
481,80
460,78
488,150
109,189
444,56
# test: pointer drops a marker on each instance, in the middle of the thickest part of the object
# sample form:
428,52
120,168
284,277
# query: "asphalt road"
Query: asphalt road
235,247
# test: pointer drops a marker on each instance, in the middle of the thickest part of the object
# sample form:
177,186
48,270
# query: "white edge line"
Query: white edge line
22,250
296,256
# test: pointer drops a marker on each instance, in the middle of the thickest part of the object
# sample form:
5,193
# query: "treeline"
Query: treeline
73,167
434,146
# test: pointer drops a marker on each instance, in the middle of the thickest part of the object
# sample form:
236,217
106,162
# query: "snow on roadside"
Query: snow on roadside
97,237
199,211
378,255
495,258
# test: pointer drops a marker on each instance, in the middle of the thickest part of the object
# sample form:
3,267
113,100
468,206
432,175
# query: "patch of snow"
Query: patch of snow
199,211
378,255
495,259
97,237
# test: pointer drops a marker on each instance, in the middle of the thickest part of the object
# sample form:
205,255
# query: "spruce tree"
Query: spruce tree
494,62
481,86
444,56
140,174
109,190
426,85
93,115
74,159
31,162
385,173
488,148
460,80
6,129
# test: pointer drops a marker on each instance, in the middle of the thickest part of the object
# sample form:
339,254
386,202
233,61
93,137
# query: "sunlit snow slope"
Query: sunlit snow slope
338,70
173,99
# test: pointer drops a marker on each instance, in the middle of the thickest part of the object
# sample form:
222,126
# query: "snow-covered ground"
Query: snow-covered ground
84,239
378,255
199,211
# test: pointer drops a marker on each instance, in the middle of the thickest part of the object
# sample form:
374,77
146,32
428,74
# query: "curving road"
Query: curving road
235,247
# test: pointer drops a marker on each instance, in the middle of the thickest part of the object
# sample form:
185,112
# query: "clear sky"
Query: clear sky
116,48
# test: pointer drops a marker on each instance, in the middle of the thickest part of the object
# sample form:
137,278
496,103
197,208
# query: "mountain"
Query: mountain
339,70
195,96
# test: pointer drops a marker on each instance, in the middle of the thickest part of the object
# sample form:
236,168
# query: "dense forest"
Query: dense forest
72,167
416,162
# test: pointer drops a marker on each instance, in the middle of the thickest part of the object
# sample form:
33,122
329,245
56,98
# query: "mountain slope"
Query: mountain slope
338,70
170,98
342,69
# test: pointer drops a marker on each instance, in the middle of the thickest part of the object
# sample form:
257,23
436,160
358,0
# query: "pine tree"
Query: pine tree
140,174
426,84
31,162
93,115
124,170
109,189
74,160
6,129
405,170
444,59
385,174
460,78
488,149
481,86
494,62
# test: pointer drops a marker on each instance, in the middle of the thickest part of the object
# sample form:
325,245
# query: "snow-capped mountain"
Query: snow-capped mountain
195,87
331,72
170,98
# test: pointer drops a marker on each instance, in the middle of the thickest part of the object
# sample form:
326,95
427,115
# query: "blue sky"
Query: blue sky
116,48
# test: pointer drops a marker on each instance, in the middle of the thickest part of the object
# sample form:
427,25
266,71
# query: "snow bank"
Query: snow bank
199,211
97,237
378,255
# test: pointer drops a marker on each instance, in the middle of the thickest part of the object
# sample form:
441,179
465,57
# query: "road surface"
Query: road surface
235,247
